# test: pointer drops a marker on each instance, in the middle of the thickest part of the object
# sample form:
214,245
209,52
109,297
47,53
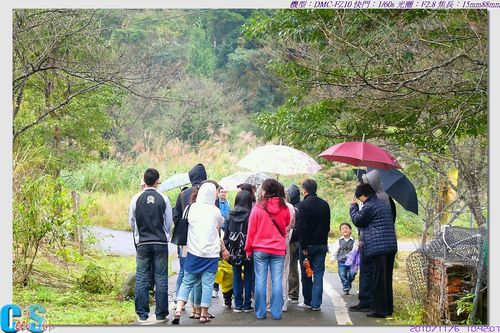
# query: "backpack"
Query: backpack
236,246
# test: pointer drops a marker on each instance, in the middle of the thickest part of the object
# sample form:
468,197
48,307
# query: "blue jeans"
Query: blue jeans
189,283
345,275
195,297
312,288
196,293
181,271
151,256
262,263
240,284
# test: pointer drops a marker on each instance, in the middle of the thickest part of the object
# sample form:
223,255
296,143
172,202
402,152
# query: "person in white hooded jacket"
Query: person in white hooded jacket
203,250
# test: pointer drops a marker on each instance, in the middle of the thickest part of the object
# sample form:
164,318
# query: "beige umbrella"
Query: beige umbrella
279,159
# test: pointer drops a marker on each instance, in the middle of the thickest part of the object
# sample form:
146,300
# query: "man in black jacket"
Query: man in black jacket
314,226
150,218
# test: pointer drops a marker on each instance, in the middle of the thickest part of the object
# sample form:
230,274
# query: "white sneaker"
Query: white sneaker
215,294
285,305
150,322
316,309
304,306
143,321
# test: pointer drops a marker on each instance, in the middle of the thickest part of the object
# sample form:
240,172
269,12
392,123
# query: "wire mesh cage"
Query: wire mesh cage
454,244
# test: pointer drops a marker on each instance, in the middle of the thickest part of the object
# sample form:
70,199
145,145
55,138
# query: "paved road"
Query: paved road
333,312
120,242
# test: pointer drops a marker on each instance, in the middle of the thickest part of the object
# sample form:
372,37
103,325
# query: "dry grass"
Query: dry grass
111,210
220,155
406,312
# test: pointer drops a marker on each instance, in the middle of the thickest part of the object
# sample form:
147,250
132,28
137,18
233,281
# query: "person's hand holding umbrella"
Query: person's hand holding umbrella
397,186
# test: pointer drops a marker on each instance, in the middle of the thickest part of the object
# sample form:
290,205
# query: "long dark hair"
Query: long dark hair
248,188
244,199
273,189
194,194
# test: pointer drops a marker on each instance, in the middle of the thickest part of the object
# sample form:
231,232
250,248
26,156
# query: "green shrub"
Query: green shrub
95,280
464,306
409,313
106,176
42,210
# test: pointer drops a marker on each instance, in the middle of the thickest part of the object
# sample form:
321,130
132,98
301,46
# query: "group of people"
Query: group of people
254,251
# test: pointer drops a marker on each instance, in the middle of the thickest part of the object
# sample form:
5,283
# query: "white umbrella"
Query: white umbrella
281,160
231,182
177,180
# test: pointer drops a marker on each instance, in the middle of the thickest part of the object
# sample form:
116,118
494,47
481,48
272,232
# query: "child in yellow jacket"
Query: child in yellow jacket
224,278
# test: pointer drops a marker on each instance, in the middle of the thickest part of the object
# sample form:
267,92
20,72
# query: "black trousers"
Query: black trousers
366,281
228,297
382,292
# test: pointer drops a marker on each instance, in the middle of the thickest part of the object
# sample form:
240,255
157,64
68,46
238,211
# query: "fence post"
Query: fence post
77,234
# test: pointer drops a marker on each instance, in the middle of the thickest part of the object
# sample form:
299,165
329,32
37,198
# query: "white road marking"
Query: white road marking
339,305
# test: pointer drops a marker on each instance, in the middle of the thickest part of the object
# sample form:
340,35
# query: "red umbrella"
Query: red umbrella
361,154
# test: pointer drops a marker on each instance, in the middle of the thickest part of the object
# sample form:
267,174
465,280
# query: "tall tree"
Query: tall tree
201,55
417,79
67,71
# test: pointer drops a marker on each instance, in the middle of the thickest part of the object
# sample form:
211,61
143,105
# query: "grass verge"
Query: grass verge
406,311
57,285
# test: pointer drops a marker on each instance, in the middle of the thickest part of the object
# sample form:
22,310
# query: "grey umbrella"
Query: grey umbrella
177,180
397,186
232,181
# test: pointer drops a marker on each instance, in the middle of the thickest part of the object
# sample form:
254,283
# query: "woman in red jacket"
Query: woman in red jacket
266,242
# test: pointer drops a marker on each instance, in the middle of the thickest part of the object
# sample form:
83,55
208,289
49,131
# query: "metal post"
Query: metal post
479,282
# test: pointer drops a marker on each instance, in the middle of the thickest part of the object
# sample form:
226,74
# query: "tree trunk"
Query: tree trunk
471,166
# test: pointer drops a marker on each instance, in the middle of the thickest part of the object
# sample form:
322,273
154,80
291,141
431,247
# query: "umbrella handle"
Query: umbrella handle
357,177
